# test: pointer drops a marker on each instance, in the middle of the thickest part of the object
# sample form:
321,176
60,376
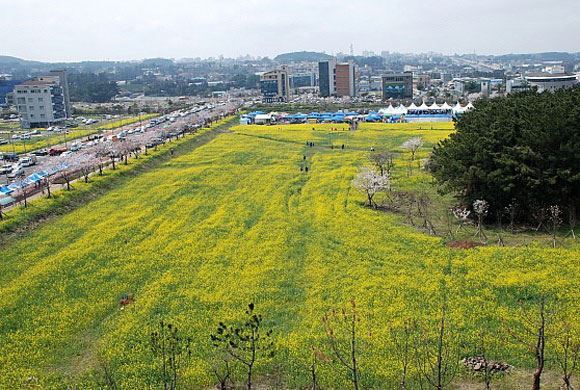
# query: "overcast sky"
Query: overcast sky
73,30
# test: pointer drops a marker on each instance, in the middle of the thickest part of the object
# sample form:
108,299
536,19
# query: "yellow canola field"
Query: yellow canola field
236,221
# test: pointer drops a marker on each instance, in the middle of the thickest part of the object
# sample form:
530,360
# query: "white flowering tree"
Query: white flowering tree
103,151
480,208
371,183
412,145
461,214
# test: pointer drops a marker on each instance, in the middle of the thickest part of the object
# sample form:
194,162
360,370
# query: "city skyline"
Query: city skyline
134,30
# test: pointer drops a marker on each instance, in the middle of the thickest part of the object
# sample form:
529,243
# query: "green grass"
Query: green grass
235,221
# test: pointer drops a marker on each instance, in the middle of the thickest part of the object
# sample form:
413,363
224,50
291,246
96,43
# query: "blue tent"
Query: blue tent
35,178
5,190
6,200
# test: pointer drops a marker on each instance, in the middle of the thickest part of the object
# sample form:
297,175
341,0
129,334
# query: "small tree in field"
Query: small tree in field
530,332
221,369
402,338
437,348
566,343
342,333
412,145
171,349
480,208
245,341
383,161
371,183
555,220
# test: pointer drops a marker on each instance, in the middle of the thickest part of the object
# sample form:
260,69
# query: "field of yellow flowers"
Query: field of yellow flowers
237,221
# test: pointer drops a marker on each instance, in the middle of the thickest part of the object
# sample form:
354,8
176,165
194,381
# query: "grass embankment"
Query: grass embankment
236,221
48,139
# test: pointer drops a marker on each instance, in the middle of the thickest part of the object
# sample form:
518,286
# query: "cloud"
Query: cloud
134,29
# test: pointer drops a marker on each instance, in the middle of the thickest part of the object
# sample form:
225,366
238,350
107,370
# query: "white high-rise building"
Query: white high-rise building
43,101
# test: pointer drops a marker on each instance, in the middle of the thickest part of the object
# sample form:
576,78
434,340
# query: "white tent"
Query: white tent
412,107
434,106
445,106
458,109
423,106
387,111
469,107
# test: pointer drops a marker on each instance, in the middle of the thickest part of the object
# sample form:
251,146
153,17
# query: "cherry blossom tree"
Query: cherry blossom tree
480,208
412,145
371,183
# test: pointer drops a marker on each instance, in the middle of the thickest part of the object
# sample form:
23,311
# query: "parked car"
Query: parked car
3,141
5,169
56,151
28,161
10,157
75,147
40,152
17,170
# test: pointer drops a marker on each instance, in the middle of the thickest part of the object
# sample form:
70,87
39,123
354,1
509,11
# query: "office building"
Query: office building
327,77
42,101
345,80
63,79
398,86
302,80
275,86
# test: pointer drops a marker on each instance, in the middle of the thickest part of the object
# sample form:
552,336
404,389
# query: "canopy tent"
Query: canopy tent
402,110
5,190
412,107
35,177
445,106
434,107
458,108
423,106
387,111
6,200
469,107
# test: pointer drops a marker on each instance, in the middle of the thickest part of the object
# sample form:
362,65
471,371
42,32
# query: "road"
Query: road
87,155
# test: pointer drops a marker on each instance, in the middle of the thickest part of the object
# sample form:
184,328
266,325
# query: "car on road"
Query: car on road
28,161
3,141
75,147
40,152
5,169
17,170
56,151
10,157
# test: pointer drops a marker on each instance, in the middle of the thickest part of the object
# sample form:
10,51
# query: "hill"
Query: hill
302,56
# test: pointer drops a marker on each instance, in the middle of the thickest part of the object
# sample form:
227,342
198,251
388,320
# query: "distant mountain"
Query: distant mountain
548,56
14,61
302,56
